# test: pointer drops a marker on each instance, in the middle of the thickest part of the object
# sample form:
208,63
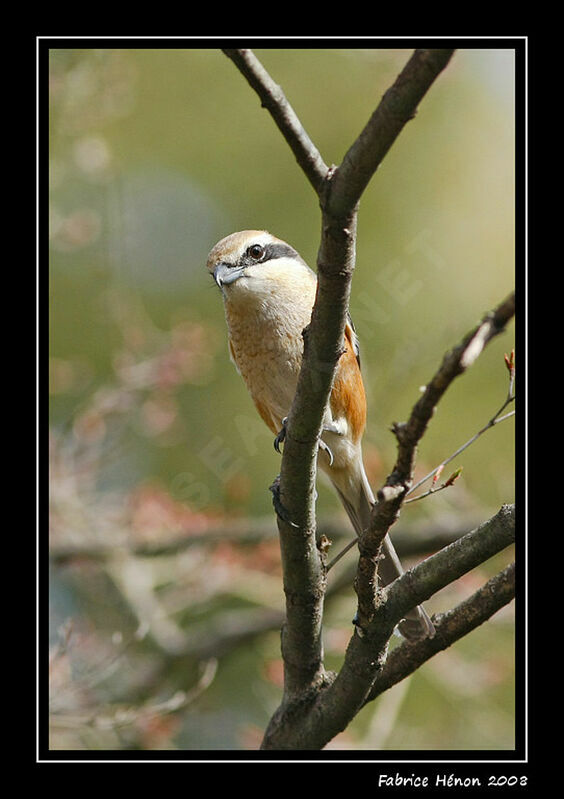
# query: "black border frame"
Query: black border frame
462,764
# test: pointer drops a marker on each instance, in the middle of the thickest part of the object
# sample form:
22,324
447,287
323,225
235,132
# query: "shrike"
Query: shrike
268,294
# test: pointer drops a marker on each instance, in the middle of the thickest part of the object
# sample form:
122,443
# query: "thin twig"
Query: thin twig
496,419
342,553
435,489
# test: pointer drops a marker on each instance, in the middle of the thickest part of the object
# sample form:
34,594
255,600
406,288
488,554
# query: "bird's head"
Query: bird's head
253,261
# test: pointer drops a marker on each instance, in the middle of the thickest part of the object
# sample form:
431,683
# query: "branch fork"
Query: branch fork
316,705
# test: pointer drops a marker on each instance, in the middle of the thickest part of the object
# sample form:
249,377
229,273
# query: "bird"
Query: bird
268,295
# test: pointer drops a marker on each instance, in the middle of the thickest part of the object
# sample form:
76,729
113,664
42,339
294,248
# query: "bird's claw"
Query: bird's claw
281,511
330,427
281,435
327,449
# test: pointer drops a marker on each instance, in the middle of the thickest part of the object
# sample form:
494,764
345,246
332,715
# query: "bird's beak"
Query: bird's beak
223,274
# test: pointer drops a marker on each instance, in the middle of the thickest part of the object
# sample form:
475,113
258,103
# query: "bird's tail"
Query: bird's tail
358,499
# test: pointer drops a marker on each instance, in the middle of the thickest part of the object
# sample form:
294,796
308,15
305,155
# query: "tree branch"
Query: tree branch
322,350
446,566
304,573
449,628
312,725
367,649
315,705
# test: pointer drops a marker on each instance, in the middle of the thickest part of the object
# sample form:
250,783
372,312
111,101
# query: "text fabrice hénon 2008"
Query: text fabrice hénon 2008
448,781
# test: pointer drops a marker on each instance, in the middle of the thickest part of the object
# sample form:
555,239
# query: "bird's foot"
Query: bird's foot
327,449
322,445
281,511
330,427
281,435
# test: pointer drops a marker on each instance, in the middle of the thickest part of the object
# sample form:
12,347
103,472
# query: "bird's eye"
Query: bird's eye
256,251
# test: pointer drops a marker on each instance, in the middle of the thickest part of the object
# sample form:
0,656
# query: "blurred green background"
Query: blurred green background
155,154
